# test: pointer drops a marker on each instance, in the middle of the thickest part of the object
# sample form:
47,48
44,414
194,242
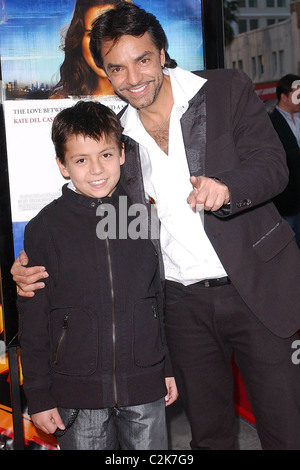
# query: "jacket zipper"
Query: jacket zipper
113,319
65,326
155,314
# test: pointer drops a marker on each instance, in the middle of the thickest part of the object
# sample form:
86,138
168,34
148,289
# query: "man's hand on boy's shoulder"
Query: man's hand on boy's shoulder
27,278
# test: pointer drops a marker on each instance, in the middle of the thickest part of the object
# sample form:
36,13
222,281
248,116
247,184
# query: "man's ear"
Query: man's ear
162,58
283,98
62,168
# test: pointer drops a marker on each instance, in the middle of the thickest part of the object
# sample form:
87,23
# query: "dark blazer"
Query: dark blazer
228,135
288,202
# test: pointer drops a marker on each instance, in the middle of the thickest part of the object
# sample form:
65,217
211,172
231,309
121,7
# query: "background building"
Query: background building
266,44
255,14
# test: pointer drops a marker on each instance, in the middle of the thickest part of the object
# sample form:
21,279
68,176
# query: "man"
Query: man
197,141
286,121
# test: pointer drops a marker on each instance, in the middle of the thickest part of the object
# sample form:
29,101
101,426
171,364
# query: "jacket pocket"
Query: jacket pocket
274,241
148,349
73,341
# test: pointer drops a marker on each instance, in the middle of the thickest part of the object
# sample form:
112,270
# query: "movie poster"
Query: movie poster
32,35
34,88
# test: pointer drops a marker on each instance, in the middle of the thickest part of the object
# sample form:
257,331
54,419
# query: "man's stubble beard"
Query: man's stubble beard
147,103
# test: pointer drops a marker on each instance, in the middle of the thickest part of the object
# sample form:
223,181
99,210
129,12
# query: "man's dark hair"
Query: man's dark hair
86,118
285,85
127,19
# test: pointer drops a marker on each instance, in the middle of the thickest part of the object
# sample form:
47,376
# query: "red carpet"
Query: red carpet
241,401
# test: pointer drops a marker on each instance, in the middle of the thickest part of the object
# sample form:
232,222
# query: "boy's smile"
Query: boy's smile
93,166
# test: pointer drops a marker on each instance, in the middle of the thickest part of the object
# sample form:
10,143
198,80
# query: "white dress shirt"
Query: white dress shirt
187,252
294,124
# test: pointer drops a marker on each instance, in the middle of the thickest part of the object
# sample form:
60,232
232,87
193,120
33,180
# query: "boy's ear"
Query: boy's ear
62,168
122,156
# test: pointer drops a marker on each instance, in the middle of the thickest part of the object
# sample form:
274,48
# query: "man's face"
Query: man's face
294,97
292,101
134,67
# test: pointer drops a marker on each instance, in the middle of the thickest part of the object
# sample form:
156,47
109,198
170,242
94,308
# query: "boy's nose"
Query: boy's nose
96,168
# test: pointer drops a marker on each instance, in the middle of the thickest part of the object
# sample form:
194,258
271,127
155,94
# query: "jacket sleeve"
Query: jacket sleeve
33,322
257,172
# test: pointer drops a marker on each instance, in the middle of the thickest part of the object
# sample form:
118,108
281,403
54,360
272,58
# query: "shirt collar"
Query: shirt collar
69,192
184,85
286,114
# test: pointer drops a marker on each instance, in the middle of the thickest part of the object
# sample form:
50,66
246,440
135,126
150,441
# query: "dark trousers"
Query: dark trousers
204,326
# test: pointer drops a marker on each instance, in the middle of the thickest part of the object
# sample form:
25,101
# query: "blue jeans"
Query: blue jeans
141,427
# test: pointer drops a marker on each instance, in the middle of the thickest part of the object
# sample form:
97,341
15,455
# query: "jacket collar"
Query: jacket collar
90,202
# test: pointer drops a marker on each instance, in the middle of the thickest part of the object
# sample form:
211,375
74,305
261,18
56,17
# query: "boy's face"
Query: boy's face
94,167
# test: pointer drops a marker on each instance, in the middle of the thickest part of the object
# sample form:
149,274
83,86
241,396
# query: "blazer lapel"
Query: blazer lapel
283,129
132,182
193,124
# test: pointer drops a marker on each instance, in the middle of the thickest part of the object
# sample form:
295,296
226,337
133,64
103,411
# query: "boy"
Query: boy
92,353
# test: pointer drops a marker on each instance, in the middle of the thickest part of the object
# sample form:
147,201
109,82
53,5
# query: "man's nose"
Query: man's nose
134,75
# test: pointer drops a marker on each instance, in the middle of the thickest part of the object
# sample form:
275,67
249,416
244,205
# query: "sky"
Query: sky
30,36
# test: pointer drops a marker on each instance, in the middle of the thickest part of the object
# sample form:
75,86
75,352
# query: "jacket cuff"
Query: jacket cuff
168,366
39,399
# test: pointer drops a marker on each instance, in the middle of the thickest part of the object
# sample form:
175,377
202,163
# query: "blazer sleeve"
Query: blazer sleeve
33,322
256,170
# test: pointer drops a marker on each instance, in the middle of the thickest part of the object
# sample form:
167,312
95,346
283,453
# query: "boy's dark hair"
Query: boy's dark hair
86,118
285,85
127,19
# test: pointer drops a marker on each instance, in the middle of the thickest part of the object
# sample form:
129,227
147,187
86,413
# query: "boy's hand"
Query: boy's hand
48,421
26,278
172,393
208,193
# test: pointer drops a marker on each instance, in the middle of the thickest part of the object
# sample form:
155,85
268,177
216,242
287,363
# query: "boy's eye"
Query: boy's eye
80,160
106,155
